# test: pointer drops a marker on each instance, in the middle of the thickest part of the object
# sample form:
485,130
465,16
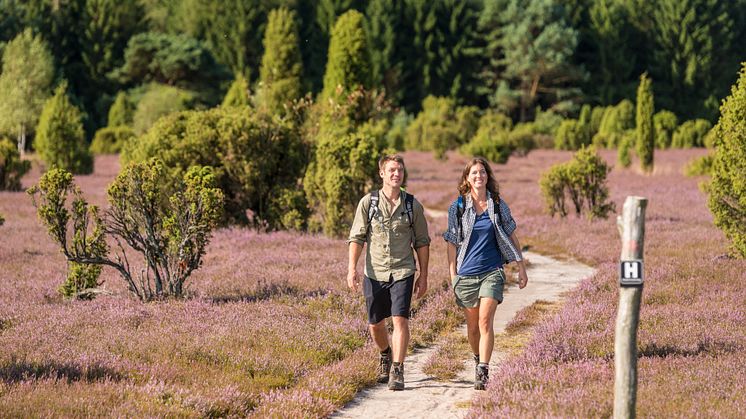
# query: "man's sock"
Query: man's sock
387,351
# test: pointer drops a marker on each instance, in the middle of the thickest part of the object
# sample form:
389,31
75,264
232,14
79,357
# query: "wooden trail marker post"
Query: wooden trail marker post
631,226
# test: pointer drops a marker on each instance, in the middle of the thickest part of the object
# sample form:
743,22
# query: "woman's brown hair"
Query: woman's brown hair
464,188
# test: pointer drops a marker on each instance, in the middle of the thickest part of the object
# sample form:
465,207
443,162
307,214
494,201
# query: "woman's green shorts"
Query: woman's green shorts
470,288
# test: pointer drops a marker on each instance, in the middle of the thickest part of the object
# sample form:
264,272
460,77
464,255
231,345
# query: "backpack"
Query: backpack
460,207
408,206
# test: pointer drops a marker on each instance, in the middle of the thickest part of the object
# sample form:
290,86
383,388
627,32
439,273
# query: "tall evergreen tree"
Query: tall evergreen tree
109,25
613,63
386,32
348,67
282,68
536,46
24,84
60,139
233,30
645,144
444,58
692,41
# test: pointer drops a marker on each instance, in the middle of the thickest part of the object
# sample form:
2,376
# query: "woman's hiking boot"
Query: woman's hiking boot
396,378
385,367
481,376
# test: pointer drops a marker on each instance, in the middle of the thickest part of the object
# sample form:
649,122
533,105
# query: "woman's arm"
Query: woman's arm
451,248
522,277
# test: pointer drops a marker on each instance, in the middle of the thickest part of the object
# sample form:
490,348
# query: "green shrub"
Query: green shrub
121,111
616,120
665,123
169,227
546,122
522,139
397,133
571,135
12,168
491,140
81,281
254,156
157,101
238,94
344,168
597,115
110,140
727,190
583,180
691,134
60,140
441,126
701,166
625,145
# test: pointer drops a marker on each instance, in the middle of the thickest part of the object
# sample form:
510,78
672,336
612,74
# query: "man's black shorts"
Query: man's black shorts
386,299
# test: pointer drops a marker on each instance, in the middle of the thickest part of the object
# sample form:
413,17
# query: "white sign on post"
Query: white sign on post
630,272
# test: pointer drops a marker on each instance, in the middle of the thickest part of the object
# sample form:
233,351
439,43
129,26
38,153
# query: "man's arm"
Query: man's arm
353,281
423,256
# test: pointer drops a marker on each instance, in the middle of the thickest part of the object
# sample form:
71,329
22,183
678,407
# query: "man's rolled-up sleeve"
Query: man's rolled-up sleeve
359,229
421,235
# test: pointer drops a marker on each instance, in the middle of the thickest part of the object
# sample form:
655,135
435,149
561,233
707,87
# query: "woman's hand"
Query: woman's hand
522,277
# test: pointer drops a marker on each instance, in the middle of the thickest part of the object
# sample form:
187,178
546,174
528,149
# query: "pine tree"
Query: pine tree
60,139
25,84
233,30
727,191
535,46
348,65
282,68
692,41
645,136
614,62
385,28
109,24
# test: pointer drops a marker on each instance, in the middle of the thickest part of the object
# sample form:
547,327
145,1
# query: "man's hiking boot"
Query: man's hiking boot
481,376
396,378
476,359
384,368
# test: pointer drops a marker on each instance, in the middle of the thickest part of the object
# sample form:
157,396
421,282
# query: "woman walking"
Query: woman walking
481,239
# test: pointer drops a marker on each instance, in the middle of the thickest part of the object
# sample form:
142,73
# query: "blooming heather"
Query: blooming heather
271,328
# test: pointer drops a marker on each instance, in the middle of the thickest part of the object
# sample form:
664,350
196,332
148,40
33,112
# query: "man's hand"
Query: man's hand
522,277
353,282
420,286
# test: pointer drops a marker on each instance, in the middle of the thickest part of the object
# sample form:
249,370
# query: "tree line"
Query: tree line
510,55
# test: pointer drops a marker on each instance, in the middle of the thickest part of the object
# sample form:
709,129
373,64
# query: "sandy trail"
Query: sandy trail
424,397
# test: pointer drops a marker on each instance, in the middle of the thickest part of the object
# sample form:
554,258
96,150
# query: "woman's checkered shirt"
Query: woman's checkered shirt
502,231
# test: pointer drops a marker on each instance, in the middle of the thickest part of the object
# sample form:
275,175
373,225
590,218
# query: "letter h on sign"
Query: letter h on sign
630,272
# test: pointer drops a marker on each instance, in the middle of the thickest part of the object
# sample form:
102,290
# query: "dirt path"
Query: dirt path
424,397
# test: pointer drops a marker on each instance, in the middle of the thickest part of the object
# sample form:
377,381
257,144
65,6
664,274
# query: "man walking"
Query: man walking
393,225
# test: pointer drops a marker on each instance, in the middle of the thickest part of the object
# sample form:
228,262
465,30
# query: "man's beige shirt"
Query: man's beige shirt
390,239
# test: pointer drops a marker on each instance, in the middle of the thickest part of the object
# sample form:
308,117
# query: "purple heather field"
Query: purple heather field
269,328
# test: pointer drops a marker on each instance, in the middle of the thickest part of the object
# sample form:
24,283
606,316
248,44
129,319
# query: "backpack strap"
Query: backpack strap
459,215
409,207
373,208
